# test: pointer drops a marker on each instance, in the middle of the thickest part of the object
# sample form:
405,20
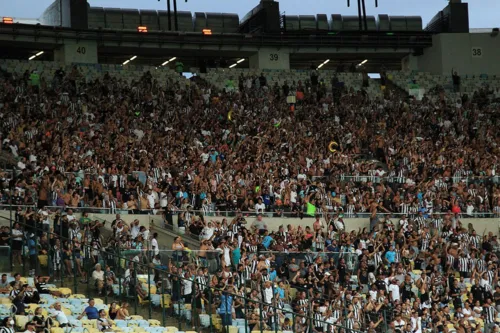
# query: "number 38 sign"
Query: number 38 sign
477,52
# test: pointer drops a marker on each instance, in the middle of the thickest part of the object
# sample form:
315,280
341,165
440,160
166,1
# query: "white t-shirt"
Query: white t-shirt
416,325
394,288
268,295
99,276
154,246
60,316
134,231
188,286
260,207
207,233
151,200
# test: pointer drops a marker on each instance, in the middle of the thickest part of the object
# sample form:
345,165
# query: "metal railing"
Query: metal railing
270,212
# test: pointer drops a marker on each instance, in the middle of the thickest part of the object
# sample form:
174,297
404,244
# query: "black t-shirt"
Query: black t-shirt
2,236
453,291
42,288
496,297
381,285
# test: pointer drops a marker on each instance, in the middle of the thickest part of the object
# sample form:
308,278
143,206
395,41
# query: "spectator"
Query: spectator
90,311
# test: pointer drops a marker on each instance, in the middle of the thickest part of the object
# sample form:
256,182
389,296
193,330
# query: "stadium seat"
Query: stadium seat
21,322
88,324
65,291
154,323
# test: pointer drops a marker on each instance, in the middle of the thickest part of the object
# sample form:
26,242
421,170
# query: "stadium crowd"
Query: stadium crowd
147,145
158,145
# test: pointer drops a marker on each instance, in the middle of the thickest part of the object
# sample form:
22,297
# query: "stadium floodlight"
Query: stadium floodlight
172,59
323,63
166,62
233,65
125,62
362,63
207,31
7,20
240,61
35,55
133,58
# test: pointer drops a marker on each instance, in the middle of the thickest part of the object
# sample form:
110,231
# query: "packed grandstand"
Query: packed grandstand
219,158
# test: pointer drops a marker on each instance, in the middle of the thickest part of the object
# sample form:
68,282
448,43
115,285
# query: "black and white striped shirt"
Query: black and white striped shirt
318,320
463,264
489,313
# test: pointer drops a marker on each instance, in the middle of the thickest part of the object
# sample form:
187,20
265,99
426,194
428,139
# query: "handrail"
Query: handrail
233,213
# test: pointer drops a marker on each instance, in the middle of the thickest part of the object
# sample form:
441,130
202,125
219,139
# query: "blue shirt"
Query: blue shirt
91,312
213,156
267,199
236,256
267,241
390,256
272,276
226,303
32,247
280,292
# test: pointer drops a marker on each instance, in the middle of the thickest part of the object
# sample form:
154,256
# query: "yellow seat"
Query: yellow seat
43,259
142,301
56,330
293,293
136,318
65,291
172,329
154,323
94,330
88,324
139,329
417,272
5,300
232,329
78,296
67,312
21,322
98,301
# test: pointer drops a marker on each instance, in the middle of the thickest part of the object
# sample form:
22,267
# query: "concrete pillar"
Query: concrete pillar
270,58
410,62
83,52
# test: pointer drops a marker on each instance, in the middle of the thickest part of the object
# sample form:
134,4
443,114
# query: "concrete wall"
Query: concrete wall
156,223
468,53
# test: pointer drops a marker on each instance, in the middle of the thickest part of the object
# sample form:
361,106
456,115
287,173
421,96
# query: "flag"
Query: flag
311,209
